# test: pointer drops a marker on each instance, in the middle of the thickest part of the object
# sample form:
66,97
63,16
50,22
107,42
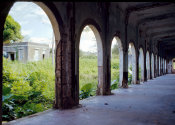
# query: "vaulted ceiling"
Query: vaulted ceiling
155,19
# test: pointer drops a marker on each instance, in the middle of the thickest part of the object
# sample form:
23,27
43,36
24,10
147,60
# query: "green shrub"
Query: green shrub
139,72
27,88
86,91
130,76
114,85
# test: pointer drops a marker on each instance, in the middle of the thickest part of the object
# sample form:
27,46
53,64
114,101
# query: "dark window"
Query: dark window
43,56
12,56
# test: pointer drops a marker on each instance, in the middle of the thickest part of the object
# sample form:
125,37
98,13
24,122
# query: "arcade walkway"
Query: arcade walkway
150,103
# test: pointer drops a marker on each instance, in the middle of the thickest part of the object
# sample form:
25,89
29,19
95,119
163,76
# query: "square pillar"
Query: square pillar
125,69
66,90
145,70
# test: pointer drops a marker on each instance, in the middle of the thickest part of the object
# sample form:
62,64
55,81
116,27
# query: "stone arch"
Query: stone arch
58,29
120,47
152,65
133,63
54,17
148,64
96,30
141,63
55,21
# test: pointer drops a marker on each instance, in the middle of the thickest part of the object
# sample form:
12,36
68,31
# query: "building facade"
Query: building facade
26,51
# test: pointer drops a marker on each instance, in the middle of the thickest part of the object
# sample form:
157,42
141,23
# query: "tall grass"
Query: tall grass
115,68
88,71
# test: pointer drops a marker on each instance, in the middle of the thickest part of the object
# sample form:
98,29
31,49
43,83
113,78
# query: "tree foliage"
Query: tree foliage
12,31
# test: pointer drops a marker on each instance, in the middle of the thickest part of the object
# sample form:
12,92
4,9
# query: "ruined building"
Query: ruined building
149,27
27,51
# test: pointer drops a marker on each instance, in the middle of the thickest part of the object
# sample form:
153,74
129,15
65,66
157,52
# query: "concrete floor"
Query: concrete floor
150,103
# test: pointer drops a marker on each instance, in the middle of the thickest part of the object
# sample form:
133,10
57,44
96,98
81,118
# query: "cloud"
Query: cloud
88,42
24,22
20,6
88,45
40,12
45,21
26,32
40,40
35,24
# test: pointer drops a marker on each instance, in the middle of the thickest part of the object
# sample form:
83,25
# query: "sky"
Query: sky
36,26
88,41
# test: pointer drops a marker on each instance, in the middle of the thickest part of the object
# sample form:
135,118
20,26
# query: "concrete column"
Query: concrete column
137,67
155,75
145,70
141,63
157,71
159,65
163,66
67,93
134,70
150,66
125,69
103,65
104,71
161,69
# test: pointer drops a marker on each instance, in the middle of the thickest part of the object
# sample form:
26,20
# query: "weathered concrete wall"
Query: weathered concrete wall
42,49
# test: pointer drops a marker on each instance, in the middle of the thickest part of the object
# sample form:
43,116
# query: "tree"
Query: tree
12,31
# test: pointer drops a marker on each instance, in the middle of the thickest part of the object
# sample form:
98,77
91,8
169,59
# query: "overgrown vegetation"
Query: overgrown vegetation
27,88
140,72
88,74
130,75
115,71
